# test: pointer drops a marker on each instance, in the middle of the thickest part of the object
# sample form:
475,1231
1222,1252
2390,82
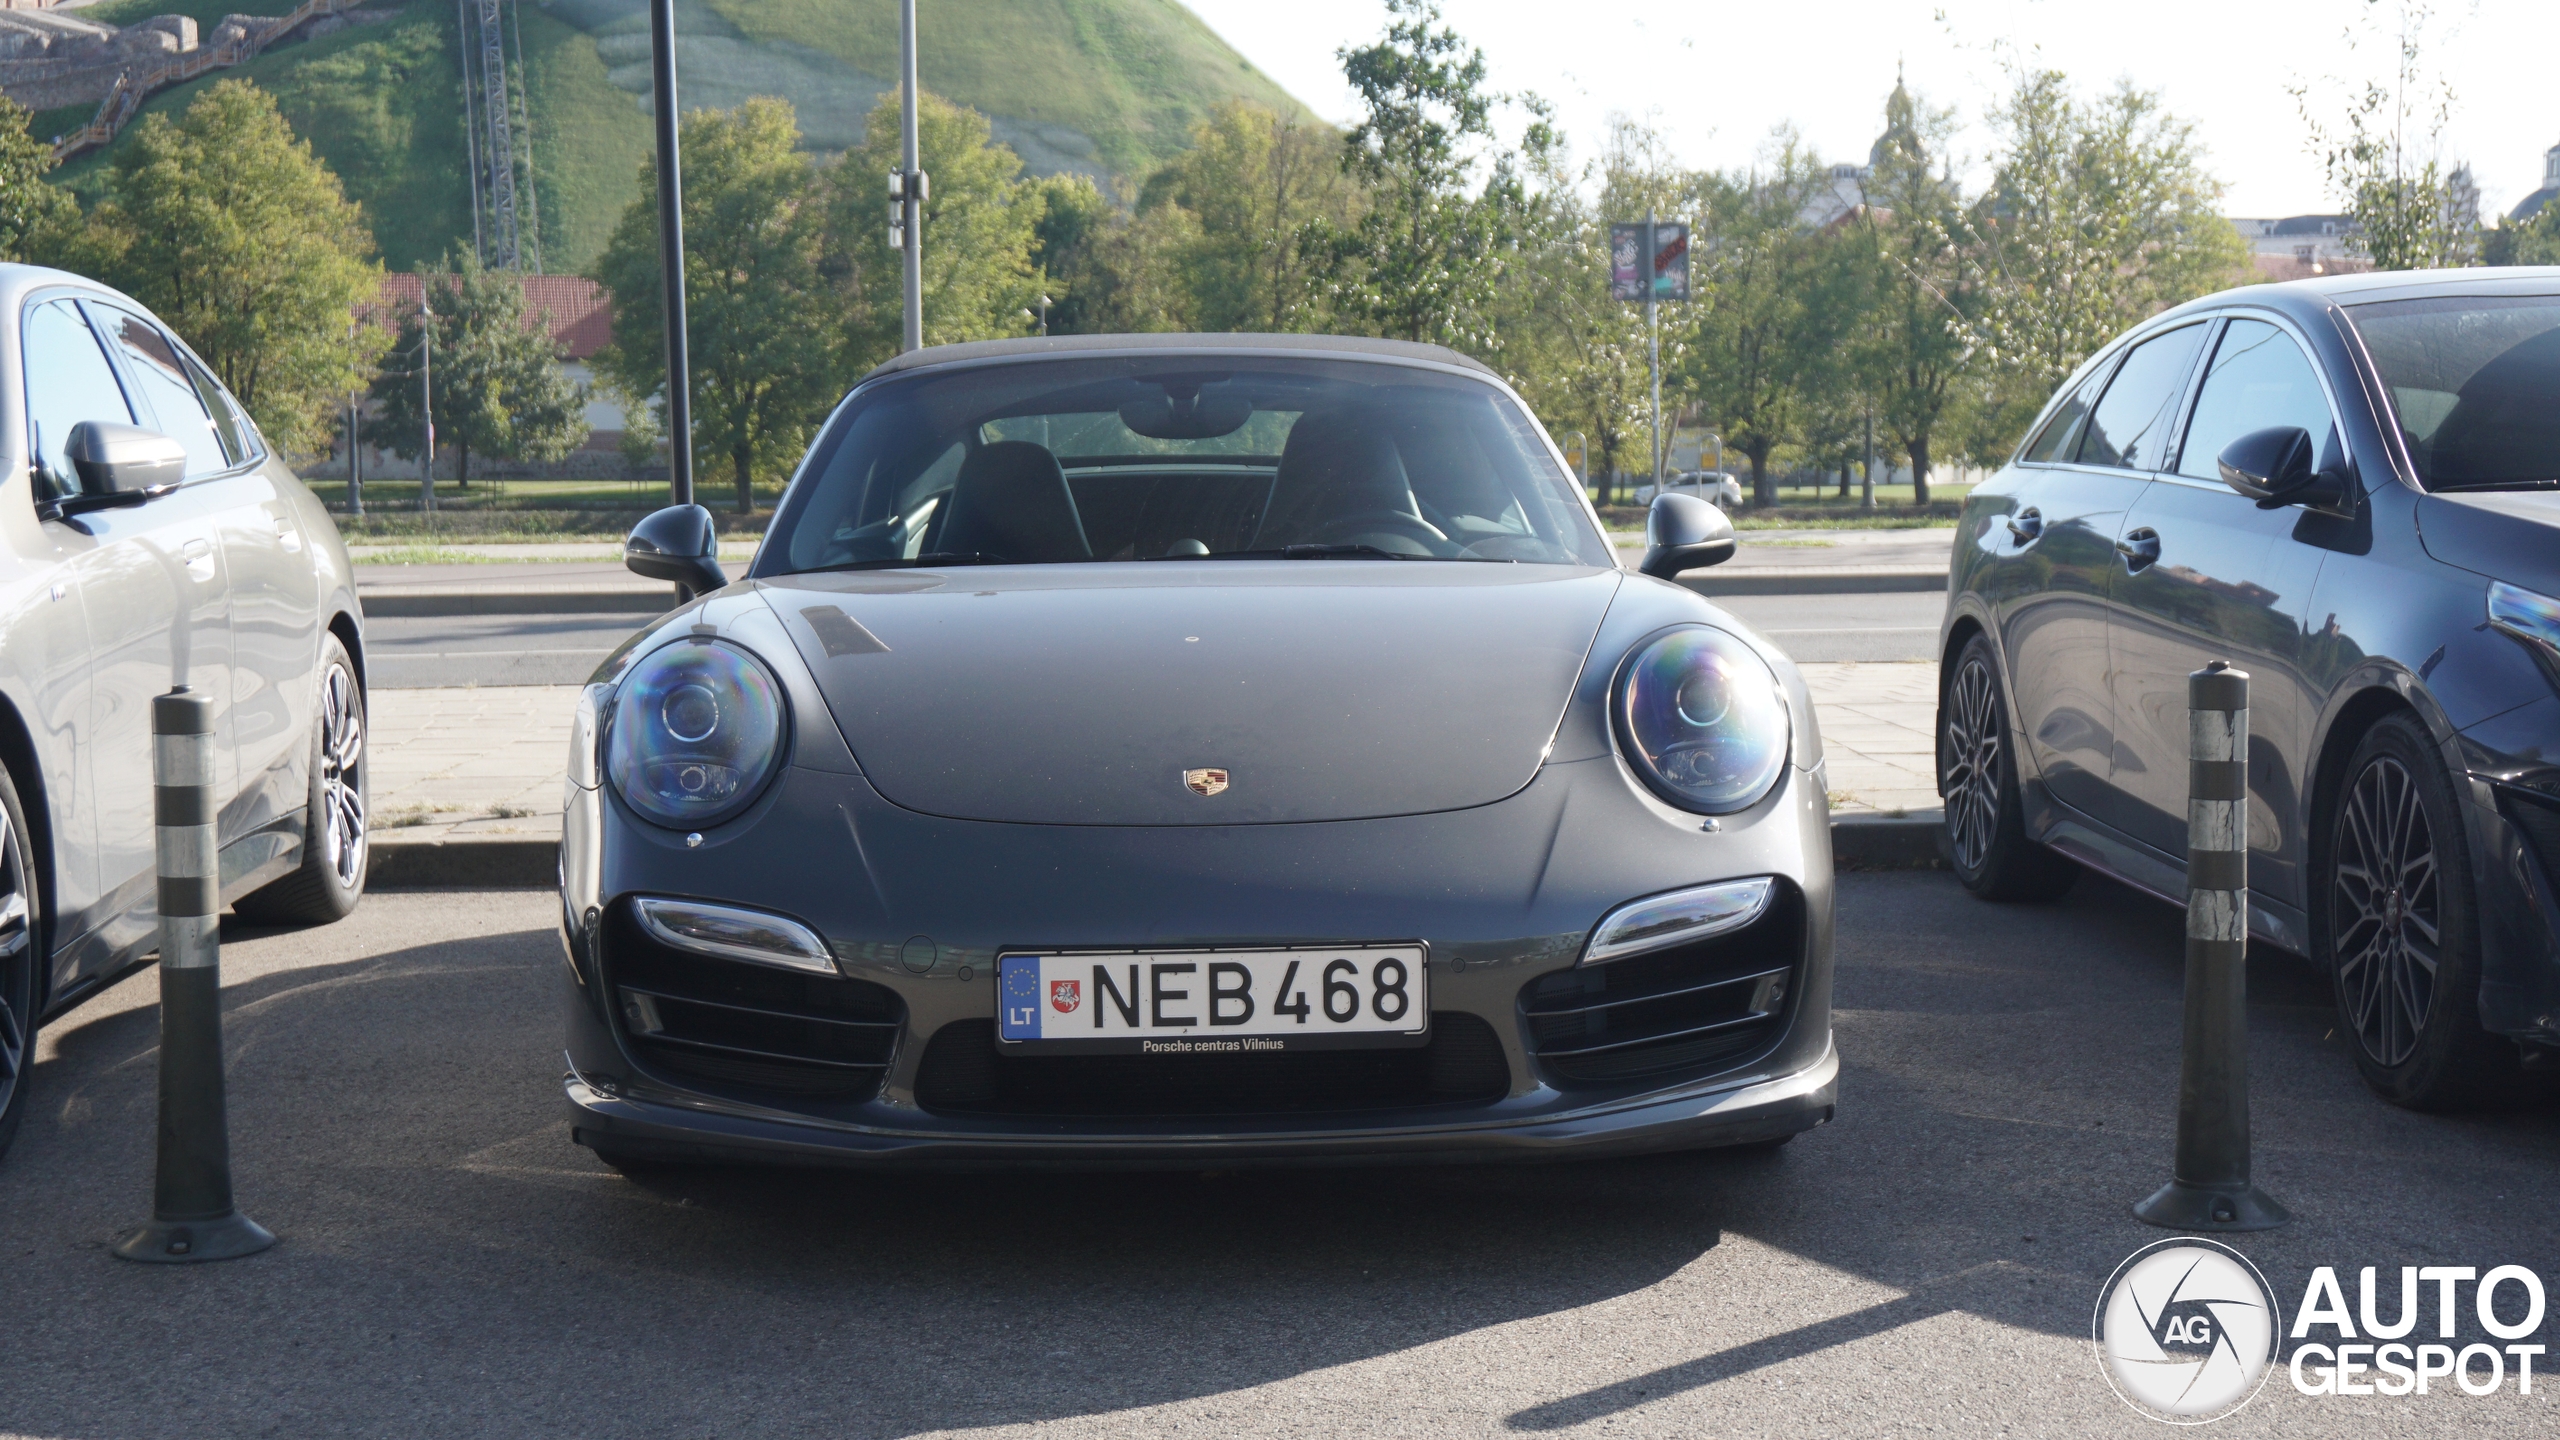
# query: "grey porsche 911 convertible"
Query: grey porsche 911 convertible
1178,750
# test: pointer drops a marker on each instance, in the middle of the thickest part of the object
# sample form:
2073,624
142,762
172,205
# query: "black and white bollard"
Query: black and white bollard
2210,1190
192,1217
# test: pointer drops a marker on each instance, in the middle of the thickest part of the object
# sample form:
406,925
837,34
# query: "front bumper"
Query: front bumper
915,908
1766,1108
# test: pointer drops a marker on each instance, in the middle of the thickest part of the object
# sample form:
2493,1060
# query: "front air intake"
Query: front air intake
1686,1012
750,1031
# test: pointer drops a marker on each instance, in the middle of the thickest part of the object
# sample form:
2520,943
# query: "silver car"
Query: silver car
150,537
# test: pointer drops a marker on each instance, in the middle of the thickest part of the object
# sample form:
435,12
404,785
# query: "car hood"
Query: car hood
1081,695
2510,535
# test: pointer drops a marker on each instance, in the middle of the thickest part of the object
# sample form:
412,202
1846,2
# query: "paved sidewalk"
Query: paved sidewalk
469,762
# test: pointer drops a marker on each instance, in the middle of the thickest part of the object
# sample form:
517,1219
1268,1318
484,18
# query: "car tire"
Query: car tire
1986,829
21,963
2396,922
330,880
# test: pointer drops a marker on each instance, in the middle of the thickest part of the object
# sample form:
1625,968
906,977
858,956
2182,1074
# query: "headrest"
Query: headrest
1012,500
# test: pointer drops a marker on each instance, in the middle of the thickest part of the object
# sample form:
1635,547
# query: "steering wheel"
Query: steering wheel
1393,521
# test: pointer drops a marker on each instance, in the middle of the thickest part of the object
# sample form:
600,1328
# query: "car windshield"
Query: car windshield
2473,379
1178,457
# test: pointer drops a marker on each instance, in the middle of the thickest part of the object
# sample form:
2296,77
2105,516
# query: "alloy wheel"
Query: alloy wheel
342,835
17,965
1971,770
2386,911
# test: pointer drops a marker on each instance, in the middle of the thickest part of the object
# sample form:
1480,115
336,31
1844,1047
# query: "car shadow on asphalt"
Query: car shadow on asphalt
450,1260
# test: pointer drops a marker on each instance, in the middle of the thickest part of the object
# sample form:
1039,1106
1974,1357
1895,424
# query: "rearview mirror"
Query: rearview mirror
124,460
1683,532
677,544
2274,468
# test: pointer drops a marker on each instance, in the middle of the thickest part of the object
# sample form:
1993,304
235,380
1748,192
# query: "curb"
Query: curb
491,863
1833,580
1888,842
1858,842
414,604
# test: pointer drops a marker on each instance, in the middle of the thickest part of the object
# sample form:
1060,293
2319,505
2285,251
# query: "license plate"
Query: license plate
1196,1002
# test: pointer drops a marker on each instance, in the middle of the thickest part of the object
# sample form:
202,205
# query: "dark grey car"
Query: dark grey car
2350,488
153,538
1189,749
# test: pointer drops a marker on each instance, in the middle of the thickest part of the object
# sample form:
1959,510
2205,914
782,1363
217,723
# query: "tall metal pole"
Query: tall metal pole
662,74
911,192
1653,340
1870,482
427,399
470,126
355,441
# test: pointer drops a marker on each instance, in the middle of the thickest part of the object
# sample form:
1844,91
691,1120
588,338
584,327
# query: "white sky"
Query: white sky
1715,77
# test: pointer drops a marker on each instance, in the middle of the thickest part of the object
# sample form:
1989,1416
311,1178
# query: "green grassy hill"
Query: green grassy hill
1103,87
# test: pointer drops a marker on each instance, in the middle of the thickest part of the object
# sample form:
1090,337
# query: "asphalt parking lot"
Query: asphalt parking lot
451,1265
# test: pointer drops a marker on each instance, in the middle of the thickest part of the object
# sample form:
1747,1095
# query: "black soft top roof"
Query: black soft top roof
1176,344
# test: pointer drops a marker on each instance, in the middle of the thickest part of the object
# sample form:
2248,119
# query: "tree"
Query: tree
2384,160
2099,214
1916,339
766,349
2527,242
1578,356
1772,315
228,227
32,210
1117,272
1424,260
499,388
1255,182
981,223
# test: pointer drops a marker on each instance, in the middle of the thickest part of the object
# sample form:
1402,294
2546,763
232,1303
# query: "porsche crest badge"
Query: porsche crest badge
1205,782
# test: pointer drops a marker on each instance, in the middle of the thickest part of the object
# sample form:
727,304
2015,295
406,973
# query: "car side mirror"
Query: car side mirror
1683,532
2274,468
126,462
679,545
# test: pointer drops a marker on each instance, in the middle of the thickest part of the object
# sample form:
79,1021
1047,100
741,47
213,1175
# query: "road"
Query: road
1892,626
451,1265
413,652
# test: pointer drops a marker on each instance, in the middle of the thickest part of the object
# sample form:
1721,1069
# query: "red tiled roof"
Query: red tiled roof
581,318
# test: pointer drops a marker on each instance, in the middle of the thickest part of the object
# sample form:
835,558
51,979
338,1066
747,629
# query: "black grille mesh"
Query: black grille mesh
1690,1010
744,1027
963,1073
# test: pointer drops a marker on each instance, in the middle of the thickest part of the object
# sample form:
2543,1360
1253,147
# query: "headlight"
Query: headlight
696,733
2533,619
1703,720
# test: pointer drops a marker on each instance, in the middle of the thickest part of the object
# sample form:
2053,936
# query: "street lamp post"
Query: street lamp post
1653,340
1045,303
909,186
427,400
662,98
355,441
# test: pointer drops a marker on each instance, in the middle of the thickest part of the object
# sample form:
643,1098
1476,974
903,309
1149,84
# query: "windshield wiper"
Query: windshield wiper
2439,489
936,558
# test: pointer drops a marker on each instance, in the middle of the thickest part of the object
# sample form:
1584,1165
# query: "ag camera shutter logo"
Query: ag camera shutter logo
2186,1330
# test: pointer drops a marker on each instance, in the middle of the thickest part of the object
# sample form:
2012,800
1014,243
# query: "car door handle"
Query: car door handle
2027,526
2139,549
199,558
